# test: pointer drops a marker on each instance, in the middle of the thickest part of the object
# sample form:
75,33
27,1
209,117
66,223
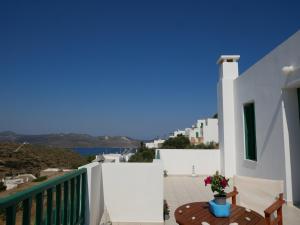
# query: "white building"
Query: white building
204,131
258,111
194,135
112,157
155,144
209,130
179,132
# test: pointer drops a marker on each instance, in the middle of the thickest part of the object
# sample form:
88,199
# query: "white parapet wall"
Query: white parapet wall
187,161
95,199
133,192
256,193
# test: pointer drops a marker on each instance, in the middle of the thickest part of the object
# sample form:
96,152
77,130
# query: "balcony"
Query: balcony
179,190
133,193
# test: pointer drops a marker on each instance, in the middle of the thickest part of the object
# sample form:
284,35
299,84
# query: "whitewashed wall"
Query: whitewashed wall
133,192
95,199
181,161
263,84
210,131
277,120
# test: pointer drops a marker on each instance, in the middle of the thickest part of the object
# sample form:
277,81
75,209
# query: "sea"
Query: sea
100,150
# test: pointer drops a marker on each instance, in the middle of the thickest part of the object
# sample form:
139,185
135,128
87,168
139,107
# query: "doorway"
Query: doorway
291,102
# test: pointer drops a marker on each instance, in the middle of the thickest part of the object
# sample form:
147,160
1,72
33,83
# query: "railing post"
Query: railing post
11,215
83,194
39,209
49,206
66,202
72,219
58,204
27,211
77,198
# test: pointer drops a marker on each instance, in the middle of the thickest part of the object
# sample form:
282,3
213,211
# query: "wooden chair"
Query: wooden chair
276,206
233,195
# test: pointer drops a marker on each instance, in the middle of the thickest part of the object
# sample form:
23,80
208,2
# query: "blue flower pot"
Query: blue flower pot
219,210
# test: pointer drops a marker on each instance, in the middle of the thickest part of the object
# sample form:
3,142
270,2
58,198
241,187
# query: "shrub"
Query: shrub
40,179
209,145
143,154
178,142
90,158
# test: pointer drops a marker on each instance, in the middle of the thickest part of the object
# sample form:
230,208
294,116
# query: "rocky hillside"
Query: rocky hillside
33,158
70,140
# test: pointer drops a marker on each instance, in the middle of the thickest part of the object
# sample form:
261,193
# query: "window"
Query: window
250,133
197,134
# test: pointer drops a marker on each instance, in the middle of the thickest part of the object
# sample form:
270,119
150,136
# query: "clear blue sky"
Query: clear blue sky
134,68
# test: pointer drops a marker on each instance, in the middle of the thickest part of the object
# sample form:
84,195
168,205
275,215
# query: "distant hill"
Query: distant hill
34,158
70,140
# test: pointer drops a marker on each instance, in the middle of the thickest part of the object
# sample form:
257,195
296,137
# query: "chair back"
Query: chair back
275,207
256,193
233,195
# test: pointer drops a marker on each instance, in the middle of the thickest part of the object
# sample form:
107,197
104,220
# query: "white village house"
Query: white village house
180,132
204,131
157,143
259,113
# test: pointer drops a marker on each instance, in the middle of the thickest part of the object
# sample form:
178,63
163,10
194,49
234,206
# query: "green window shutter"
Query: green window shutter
250,132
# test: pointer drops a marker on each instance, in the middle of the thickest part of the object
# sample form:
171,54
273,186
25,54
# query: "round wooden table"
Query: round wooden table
197,213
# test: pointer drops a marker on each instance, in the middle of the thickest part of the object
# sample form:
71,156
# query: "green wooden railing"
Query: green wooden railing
67,208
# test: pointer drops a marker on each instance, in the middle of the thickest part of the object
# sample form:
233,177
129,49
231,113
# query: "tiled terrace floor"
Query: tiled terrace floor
179,190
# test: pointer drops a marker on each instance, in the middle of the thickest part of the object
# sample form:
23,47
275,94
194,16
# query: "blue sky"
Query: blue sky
134,68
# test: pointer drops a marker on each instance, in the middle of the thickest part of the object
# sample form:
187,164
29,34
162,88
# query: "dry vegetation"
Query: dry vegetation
34,158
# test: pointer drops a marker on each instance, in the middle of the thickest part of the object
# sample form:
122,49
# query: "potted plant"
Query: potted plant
218,184
166,210
165,173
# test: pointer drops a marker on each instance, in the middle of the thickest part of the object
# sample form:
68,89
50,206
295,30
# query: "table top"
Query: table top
198,213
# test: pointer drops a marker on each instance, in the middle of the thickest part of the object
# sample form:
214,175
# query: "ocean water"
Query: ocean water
98,150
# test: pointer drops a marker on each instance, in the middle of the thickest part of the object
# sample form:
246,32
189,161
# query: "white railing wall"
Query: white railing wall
185,161
95,198
133,192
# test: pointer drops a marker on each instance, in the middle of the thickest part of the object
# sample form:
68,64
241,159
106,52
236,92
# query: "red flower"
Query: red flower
207,180
224,183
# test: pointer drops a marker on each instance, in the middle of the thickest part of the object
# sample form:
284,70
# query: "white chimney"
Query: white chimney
228,72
